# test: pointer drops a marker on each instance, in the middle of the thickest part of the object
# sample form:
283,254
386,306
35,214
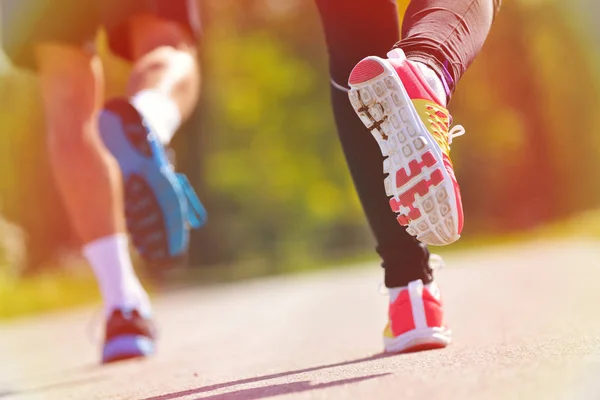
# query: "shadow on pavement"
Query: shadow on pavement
58,385
275,389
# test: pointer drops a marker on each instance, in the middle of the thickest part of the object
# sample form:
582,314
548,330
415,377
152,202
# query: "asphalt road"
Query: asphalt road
526,323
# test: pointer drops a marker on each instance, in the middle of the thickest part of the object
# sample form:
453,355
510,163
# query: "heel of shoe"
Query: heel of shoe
364,71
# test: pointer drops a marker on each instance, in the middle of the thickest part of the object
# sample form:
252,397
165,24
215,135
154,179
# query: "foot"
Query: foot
128,336
416,320
160,205
412,128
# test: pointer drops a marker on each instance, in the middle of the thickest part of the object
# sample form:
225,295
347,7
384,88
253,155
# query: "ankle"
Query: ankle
434,81
119,285
161,112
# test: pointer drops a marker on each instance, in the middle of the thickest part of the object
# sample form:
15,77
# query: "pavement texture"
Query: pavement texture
525,319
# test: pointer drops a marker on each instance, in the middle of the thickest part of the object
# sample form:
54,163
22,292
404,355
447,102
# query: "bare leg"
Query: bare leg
166,73
86,174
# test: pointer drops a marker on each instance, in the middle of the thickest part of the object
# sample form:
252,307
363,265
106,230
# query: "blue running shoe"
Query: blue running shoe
160,205
128,336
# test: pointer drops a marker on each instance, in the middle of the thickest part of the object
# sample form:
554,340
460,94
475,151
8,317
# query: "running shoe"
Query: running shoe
412,128
128,335
416,320
161,207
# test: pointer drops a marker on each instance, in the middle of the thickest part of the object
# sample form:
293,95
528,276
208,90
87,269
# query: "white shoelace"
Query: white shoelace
456,131
436,262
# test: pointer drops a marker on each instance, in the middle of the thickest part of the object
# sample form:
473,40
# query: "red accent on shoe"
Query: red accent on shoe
365,70
413,80
403,220
421,188
441,115
450,169
395,205
414,214
401,315
433,310
407,199
415,167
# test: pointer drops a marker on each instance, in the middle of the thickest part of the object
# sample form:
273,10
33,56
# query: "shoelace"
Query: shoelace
436,262
456,131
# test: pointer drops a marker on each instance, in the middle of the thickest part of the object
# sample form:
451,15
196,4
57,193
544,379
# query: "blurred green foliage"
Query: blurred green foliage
264,154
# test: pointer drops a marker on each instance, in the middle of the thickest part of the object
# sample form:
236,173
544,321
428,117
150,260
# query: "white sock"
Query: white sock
119,285
160,110
434,81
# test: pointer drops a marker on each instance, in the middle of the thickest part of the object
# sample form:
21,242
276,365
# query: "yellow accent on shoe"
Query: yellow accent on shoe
437,121
388,331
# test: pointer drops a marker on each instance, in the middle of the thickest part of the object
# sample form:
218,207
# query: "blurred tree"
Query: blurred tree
28,195
263,153
532,121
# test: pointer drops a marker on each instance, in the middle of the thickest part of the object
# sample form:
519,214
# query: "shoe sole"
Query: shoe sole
418,340
155,207
127,347
422,191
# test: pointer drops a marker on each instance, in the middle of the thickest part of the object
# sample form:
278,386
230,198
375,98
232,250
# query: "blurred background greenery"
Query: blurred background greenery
263,153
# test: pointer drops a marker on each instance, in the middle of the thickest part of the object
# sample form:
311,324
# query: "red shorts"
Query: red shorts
25,23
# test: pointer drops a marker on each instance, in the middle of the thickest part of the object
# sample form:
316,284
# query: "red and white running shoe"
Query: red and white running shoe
412,128
416,320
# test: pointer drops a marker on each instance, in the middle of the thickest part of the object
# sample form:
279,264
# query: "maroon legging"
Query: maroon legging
447,34
444,34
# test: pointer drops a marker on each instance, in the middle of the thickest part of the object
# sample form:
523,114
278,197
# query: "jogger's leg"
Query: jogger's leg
159,38
402,102
87,176
355,30
165,81
446,35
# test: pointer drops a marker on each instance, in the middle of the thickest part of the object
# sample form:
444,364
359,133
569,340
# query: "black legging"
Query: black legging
444,34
